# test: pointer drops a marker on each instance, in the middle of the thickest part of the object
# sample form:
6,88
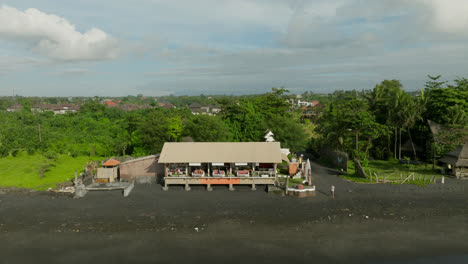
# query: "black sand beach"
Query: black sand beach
364,224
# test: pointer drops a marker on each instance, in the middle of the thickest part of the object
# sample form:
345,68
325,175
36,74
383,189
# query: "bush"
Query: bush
51,155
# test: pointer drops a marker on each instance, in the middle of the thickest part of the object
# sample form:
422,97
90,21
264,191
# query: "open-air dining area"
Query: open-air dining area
220,163
220,170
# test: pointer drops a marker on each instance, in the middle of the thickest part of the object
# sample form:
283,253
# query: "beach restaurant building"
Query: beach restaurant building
220,163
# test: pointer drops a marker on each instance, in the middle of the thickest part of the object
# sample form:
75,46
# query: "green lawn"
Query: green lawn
393,171
24,170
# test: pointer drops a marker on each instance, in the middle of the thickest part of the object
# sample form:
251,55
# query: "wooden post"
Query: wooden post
165,170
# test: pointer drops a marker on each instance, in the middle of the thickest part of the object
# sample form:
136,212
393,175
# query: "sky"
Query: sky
162,47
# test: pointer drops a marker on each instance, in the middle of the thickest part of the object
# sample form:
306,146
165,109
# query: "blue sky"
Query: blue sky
161,47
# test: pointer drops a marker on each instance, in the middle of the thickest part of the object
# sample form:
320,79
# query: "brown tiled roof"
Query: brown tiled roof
110,103
111,163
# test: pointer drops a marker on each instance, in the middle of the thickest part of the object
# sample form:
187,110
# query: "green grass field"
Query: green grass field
392,171
24,170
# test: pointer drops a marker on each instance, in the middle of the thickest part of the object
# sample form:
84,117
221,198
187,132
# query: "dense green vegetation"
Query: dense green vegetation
97,130
376,123
365,124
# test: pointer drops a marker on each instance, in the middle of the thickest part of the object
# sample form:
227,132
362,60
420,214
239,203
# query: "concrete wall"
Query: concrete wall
142,171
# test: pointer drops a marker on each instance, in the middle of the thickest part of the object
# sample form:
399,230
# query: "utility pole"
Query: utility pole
40,138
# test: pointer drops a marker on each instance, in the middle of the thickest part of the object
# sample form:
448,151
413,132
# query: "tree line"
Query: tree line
97,130
368,123
375,123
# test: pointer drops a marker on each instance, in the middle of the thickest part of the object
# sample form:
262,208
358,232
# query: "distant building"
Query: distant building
15,108
198,109
166,105
109,103
61,109
195,108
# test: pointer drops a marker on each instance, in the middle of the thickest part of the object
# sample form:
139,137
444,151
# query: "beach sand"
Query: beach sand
364,224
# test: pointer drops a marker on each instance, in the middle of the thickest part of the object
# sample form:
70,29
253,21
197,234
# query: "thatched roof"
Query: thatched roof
457,157
407,147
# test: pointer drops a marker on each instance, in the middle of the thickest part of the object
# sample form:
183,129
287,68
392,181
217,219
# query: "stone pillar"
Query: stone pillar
253,186
165,188
187,186
231,187
209,188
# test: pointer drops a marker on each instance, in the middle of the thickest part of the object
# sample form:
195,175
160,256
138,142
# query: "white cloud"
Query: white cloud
450,16
55,37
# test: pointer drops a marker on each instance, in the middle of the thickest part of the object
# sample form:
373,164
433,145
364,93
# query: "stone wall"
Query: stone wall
142,170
